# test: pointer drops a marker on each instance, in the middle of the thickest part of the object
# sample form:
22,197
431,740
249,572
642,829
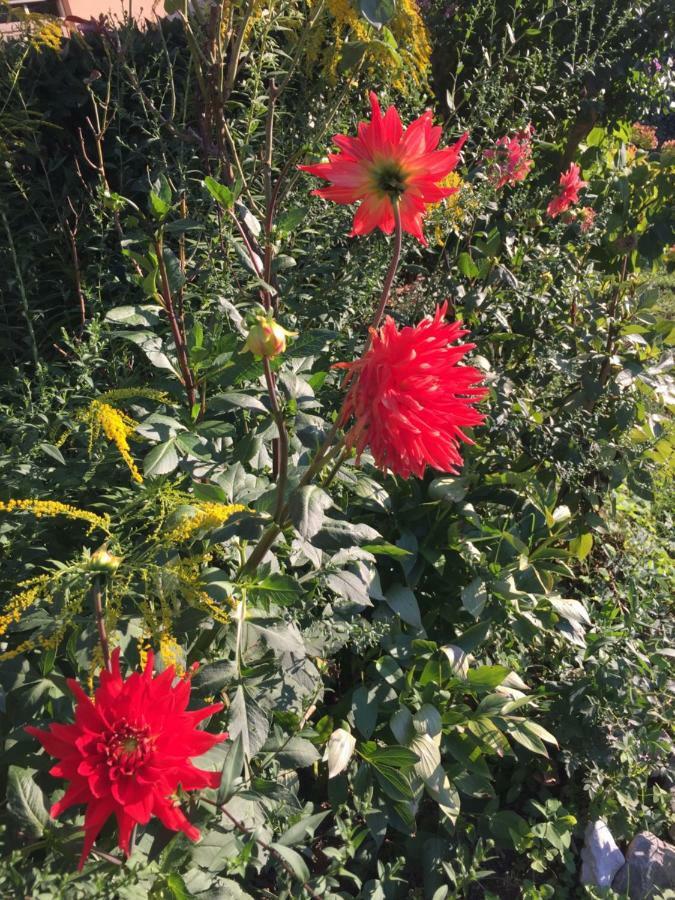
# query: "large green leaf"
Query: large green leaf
25,801
249,721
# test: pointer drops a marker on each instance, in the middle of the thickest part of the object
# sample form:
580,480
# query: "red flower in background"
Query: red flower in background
586,218
129,751
571,184
410,399
384,164
511,158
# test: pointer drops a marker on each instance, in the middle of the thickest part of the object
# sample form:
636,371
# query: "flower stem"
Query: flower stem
393,266
282,445
97,601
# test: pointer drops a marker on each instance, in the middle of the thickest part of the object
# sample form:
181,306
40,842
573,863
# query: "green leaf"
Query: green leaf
394,784
306,509
487,676
474,597
174,272
386,549
219,192
25,801
279,588
509,828
301,832
398,757
378,12
248,720
467,266
293,859
161,460
290,220
570,609
211,493
523,734
176,885
298,753
146,315
237,398
159,200
231,770
52,451
365,706
403,601
449,489
581,546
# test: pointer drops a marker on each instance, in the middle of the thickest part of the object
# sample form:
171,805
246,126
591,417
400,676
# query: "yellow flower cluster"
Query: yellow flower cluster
40,508
188,573
117,426
207,517
453,210
171,652
42,31
19,603
409,65
46,641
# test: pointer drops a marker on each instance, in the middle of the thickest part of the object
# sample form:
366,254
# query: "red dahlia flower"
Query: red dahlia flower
511,158
129,751
386,164
410,399
586,218
571,184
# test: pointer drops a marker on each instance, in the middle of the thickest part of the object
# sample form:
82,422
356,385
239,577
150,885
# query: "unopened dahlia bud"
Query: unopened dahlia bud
339,750
267,338
102,560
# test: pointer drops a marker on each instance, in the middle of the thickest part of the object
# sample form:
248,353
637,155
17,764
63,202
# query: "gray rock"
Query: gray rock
601,857
649,868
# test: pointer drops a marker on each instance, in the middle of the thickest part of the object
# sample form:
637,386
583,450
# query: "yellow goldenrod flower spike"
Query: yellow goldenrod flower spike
207,516
117,427
20,602
40,508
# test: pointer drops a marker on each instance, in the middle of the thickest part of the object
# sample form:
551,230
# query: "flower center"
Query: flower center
126,748
390,179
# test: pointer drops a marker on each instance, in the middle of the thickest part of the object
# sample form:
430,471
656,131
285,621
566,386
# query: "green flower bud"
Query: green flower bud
267,338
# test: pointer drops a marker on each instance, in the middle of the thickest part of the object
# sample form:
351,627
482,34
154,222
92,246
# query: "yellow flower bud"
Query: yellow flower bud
102,560
267,338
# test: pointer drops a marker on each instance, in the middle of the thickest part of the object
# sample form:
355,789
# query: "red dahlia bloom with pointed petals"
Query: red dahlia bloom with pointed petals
410,399
129,751
511,158
571,184
386,163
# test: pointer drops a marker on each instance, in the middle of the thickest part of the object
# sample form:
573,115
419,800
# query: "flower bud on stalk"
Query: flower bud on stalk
103,561
267,338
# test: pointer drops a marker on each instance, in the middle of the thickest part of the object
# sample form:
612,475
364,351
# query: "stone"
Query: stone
601,858
649,868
